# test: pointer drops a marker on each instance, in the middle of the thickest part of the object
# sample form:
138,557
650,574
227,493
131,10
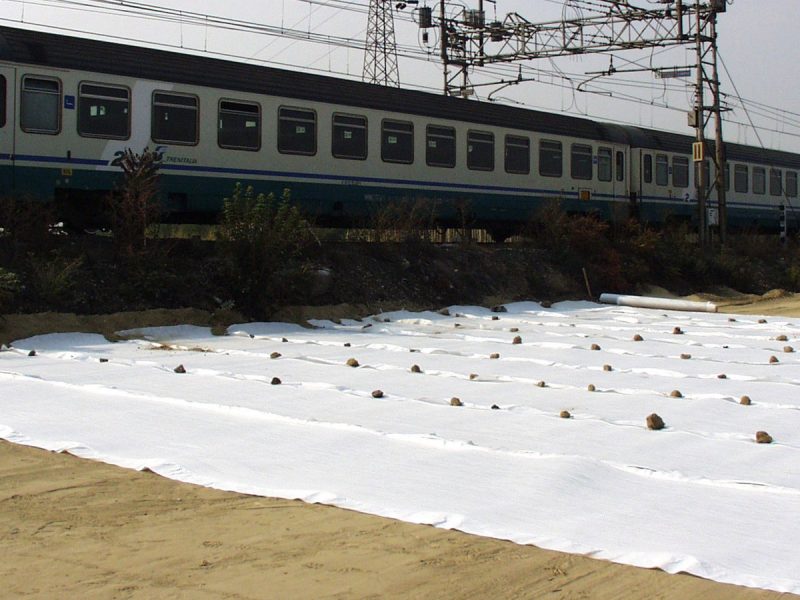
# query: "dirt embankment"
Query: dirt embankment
19,326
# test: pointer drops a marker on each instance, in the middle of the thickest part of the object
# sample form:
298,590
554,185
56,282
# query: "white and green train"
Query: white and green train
70,107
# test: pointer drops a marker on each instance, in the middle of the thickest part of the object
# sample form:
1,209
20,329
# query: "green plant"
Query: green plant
263,240
133,204
9,286
52,279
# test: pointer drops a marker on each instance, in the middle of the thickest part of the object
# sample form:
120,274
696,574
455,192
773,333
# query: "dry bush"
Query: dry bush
134,204
464,222
577,241
637,245
411,221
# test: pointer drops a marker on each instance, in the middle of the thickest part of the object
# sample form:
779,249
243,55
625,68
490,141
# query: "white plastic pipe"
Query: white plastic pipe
662,303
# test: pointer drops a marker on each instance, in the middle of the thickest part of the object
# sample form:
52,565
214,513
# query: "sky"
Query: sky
274,409
760,59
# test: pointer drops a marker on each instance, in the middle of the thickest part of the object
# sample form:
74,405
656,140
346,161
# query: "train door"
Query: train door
622,182
634,173
7,138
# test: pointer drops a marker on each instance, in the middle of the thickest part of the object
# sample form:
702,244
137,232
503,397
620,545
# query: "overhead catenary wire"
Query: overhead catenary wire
616,86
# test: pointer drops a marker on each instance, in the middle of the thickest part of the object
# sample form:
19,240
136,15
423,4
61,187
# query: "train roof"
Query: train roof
67,52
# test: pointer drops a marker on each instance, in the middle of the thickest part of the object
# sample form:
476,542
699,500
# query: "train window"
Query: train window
550,158
239,125
662,169
2,101
604,164
175,118
680,171
440,146
791,184
349,137
297,131
759,180
397,141
518,154
647,168
620,165
480,151
40,110
775,182
741,183
727,177
581,161
104,111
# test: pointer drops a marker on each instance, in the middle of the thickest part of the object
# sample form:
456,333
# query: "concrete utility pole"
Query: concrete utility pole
468,41
707,75
719,155
380,60
698,120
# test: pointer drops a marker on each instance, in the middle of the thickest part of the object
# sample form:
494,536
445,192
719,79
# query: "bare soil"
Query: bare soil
72,528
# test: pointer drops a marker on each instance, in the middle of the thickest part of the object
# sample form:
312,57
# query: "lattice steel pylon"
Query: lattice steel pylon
380,59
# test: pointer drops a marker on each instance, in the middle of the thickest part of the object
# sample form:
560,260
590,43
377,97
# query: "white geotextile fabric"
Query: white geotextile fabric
699,496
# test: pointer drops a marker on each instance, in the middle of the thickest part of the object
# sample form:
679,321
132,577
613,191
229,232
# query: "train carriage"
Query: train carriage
70,107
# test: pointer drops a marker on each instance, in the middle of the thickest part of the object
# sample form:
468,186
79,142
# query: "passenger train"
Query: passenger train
70,107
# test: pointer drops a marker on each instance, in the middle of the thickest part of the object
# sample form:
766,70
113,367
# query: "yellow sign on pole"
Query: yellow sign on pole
698,152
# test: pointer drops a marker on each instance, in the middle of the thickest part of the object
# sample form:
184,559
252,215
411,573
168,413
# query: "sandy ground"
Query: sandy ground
72,528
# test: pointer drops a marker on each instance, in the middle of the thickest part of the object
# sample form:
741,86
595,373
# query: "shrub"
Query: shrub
9,287
25,225
133,204
409,222
263,241
578,241
52,280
